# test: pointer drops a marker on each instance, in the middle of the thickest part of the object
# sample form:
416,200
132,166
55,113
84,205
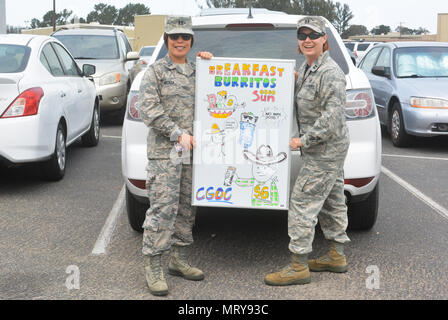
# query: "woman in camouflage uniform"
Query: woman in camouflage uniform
319,190
167,108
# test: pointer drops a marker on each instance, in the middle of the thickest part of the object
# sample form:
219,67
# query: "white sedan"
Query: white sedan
46,103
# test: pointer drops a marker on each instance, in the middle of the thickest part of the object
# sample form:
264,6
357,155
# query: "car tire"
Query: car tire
136,211
54,168
92,137
398,133
363,215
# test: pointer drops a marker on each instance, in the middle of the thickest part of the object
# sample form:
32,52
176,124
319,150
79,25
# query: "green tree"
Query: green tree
381,29
103,14
421,31
47,20
343,17
355,30
127,13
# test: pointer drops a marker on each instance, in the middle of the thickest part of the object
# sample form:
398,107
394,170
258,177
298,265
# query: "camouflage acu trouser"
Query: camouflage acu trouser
170,218
318,194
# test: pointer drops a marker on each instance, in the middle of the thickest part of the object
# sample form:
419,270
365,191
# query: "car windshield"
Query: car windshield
13,58
90,46
256,43
421,62
146,51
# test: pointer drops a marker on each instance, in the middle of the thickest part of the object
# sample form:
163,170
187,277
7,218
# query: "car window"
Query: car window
421,62
350,46
126,43
70,67
13,58
53,61
384,58
362,46
256,43
369,60
122,47
146,51
90,46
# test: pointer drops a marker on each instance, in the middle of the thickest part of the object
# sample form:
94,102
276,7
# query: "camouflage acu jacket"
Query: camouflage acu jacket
166,102
321,98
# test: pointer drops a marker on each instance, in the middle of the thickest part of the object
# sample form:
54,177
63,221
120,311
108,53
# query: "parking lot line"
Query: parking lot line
437,207
414,157
108,228
112,137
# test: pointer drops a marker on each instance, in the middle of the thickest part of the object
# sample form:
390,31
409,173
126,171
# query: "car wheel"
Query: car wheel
362,215
54,168
136,212
398,133
92,137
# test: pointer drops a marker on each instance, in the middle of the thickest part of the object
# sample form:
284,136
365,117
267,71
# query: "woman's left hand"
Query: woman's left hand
295,143
205,55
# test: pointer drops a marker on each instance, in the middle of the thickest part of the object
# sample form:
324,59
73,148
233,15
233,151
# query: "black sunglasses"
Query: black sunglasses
176,36
313,35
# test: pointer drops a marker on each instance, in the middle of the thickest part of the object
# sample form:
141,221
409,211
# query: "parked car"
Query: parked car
145,55
409,81
110,52
359,48
271,35
46,103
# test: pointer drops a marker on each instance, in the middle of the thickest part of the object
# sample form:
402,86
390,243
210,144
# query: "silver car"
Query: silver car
409,81
110,52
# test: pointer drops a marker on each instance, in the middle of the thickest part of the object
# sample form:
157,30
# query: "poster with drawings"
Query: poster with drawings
243,120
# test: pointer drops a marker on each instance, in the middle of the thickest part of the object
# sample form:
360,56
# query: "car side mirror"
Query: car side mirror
132,56
88,70
381,71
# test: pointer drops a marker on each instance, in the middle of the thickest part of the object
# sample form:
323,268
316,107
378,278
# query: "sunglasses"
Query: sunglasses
313,35
185,37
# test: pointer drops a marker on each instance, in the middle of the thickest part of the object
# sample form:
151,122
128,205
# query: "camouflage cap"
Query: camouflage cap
313,22
178,24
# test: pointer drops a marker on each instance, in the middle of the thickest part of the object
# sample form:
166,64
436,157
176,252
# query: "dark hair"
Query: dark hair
165,39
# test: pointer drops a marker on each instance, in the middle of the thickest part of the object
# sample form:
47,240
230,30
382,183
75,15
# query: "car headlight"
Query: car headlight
110,78
428,103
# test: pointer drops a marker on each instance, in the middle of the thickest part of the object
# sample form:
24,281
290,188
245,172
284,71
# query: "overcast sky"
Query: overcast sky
411,13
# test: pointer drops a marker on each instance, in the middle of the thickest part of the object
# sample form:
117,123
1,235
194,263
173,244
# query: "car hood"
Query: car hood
102,66
424,87
9,89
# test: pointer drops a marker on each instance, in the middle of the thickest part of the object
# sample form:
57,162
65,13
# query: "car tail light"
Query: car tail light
26,104
359,182
141,184
360,104
133,109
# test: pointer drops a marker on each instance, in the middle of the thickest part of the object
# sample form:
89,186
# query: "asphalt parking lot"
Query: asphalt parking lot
49,232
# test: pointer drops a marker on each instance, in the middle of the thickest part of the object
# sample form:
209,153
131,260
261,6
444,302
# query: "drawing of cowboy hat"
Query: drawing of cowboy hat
264,156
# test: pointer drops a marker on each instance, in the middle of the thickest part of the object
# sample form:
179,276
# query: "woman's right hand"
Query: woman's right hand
186,141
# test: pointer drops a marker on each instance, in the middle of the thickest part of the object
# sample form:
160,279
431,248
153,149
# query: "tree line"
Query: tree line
102,13
337,13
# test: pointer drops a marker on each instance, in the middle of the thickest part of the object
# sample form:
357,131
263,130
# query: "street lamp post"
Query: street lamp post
54,15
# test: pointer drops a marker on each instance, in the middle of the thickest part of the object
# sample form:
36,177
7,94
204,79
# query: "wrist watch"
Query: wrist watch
175,135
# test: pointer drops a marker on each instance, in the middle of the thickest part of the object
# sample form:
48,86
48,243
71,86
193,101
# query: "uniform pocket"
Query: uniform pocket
317,184
307,94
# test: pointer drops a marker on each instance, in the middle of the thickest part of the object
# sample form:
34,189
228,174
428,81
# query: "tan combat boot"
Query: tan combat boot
332,261
295,273
179,265
154,276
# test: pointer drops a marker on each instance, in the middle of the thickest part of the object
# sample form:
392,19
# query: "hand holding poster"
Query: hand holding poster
243,120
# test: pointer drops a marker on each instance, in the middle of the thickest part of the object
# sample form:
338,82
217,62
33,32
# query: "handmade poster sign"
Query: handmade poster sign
243,120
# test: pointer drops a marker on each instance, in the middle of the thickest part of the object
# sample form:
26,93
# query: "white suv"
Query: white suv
359,48
269,35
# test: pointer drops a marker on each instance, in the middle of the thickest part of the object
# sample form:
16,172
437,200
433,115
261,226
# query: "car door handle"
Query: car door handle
79,90
62,94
